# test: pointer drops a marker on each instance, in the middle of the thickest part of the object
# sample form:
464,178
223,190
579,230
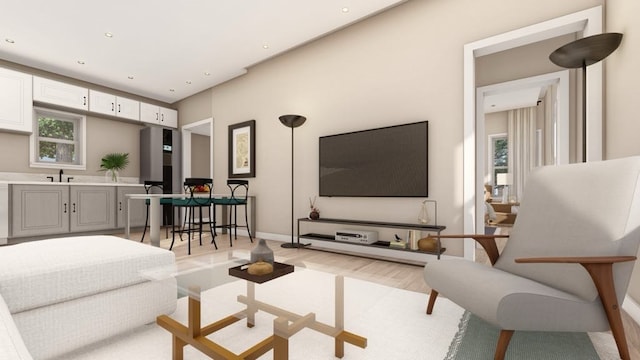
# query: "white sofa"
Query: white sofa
59,295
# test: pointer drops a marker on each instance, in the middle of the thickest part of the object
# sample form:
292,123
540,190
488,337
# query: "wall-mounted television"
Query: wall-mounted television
384,162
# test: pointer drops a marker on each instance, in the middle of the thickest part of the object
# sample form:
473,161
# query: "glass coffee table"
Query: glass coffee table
285,324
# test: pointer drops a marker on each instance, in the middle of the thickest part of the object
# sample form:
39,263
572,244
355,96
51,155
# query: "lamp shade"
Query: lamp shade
586,51
292,121
502,179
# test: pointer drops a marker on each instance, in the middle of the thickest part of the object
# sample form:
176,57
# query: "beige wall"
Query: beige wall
194,108
401,66
200,156
622,122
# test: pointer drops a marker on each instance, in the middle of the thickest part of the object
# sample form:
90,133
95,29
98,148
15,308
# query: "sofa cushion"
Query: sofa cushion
46,272
11,344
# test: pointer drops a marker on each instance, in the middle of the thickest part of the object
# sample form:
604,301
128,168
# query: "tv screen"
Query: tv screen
383,162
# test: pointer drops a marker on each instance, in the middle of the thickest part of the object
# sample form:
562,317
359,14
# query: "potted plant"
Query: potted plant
112,163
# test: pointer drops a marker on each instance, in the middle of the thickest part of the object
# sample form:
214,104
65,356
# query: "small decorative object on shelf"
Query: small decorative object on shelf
262,252
428,243
315,213
423,217
398,243
412,239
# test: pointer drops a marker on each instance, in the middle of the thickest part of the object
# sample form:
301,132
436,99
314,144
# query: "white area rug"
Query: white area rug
393,321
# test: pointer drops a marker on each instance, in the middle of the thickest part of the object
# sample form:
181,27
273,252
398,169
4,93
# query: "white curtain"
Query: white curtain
521,140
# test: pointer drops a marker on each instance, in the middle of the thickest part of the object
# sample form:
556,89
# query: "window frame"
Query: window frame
80,126
497,192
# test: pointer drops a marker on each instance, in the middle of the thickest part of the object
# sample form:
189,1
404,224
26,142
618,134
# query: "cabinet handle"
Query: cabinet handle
74,208
84,100
157,118
119,109
113,107
162,117
65,208
119,205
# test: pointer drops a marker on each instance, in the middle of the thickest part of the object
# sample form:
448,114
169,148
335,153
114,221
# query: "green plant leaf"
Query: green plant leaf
114,161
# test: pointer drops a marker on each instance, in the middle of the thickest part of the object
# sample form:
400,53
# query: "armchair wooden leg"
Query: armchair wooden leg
503,343
602,275
432,301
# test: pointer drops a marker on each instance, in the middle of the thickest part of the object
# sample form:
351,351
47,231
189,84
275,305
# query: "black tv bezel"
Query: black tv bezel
426,189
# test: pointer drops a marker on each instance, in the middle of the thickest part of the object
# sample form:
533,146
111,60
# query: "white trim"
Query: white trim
588,22
632,308
186,145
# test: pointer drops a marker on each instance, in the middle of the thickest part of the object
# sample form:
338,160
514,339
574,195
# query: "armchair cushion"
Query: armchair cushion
11,345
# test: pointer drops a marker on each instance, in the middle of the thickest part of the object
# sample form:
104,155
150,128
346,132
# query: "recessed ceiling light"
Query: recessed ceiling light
10,41
265,46
345,9
108,34
207,73
188,82
130,77
80,62
172,90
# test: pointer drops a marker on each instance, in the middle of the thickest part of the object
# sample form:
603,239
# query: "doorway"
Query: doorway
192,135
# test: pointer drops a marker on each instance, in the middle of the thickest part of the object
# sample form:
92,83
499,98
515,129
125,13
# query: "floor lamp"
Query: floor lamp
582,53
292,121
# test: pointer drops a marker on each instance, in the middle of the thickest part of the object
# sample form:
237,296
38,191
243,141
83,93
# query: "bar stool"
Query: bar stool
239,197
190,202
149,185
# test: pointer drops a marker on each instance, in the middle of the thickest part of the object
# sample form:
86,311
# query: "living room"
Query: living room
400,66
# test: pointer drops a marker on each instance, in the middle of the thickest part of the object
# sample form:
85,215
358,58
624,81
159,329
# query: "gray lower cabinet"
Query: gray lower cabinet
92,208
39,210
138,209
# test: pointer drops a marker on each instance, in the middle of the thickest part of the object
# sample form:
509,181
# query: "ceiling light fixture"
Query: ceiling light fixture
80,62
265,46
172,90
130,77
345,9
10,41
108,34
188,82
207,73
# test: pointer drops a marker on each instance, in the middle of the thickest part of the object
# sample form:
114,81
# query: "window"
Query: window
58,140
498,160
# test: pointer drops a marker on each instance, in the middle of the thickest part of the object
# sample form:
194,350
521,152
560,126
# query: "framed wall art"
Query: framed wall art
242,149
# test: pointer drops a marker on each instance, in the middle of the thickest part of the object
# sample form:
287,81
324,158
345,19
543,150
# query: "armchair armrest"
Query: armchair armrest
488,243
601,270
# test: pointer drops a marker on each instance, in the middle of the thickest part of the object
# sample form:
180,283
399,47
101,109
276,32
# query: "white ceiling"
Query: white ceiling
514,99
166,46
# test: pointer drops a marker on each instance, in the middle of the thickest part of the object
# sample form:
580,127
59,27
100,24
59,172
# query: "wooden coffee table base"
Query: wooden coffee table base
285,325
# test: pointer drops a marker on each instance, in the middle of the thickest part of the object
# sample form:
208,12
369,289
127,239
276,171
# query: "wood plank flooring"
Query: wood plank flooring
393,274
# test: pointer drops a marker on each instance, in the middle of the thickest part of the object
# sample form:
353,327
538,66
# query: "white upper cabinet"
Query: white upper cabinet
59,93
16,108
154,114
109,104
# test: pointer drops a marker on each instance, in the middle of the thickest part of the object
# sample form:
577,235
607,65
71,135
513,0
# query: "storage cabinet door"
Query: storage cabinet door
15,99
102,103
39,210
149,113
168,117
92,208
59,93
127,108
138,210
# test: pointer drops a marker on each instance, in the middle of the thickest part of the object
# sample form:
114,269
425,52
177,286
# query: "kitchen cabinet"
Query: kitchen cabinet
92,208
39,210
108,104
158,115
15,97
58,93
138,210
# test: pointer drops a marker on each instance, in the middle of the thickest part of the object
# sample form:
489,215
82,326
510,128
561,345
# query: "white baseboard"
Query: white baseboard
632,308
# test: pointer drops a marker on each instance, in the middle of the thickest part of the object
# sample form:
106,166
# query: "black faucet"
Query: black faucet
50,177
60,176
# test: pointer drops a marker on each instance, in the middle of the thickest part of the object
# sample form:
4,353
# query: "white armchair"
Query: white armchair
569,257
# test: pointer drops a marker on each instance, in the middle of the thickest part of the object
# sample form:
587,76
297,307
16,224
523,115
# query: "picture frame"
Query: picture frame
242,149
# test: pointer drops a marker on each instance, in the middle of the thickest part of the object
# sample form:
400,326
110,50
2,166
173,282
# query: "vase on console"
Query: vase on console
262,252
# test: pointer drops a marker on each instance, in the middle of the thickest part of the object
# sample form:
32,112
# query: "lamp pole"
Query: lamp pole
292,121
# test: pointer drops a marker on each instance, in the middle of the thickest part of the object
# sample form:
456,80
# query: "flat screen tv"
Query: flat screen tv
384,162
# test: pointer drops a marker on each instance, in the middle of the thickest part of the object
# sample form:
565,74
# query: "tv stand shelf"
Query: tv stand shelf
380,248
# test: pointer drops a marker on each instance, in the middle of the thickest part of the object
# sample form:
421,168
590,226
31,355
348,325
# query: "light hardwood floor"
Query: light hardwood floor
393,274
